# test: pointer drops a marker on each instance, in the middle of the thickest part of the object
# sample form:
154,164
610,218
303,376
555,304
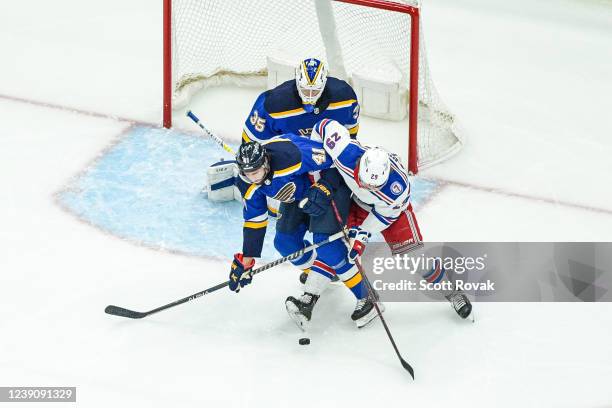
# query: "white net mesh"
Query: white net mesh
216,41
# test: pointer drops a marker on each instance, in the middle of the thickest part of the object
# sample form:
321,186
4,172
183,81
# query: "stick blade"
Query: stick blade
120,311
407,367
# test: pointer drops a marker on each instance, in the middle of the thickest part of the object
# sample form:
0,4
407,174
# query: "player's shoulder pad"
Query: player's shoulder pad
285,156
247,189
397,166
282,98
258,105
339,90
398,179
334,136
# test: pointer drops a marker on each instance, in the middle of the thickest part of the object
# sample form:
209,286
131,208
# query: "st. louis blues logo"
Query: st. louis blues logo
312,67
396,188
286,193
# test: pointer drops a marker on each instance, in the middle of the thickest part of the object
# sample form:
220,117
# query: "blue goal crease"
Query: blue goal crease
147,188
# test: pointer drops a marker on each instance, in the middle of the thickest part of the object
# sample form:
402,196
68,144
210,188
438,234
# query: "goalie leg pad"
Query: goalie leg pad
221,177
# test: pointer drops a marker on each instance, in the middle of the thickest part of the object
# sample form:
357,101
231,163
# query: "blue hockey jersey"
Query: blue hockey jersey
280,111
291,157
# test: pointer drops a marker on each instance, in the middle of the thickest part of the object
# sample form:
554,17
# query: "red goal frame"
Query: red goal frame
414,13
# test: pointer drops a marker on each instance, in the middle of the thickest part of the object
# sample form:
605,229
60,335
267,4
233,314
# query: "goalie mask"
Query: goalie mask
253,162
310,79
373,170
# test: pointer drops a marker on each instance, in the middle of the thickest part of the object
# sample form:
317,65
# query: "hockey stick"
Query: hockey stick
342,233
123,312
210,134
371,292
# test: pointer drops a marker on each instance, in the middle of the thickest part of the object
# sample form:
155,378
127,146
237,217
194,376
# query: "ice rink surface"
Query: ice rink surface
531,85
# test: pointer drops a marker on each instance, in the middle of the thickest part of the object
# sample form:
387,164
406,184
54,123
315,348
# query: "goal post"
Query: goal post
413,61
167,62
212,42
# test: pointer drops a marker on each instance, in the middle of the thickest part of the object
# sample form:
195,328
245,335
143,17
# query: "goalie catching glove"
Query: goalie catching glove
241,274
318,199
358,239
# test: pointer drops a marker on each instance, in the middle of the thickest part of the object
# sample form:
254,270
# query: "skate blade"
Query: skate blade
470,313
299,319
370,317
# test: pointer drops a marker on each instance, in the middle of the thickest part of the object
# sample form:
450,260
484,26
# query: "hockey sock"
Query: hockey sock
316,282
350,275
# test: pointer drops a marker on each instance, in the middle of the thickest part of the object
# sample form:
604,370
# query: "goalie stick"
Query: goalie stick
123,312
210,134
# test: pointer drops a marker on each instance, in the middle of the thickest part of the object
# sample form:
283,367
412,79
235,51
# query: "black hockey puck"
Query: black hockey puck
304,341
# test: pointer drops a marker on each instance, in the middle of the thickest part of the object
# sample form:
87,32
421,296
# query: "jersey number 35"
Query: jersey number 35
257,122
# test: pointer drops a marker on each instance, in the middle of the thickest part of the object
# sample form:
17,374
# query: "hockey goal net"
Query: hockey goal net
210,42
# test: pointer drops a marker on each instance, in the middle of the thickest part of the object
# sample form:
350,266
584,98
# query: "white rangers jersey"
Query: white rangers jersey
384,205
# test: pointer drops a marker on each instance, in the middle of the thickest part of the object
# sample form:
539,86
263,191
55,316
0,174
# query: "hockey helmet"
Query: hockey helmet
373,170
310,80
253,161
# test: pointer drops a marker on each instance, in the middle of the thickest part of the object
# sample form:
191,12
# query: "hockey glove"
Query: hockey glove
318,199
240,274
358,239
